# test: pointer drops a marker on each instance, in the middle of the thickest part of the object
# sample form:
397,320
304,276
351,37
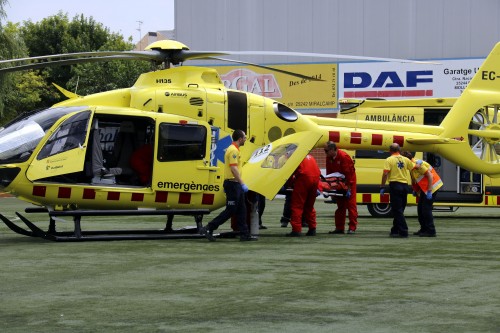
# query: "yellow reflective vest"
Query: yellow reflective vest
422,181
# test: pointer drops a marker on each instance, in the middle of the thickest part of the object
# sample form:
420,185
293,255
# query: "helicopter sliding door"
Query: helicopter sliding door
183,155
64,151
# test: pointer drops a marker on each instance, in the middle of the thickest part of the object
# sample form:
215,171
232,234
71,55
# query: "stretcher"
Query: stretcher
333,185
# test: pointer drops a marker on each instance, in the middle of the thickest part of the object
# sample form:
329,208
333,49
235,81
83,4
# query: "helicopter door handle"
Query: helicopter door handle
210,168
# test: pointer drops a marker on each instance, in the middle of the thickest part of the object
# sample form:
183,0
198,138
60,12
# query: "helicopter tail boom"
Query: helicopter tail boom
469,136
473,121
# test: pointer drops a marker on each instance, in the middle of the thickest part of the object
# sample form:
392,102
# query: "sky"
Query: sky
119,16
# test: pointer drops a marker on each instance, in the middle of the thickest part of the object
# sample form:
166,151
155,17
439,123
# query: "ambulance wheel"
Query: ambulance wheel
380,210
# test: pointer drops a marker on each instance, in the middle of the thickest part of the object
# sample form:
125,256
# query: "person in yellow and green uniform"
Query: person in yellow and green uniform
396,171
235,190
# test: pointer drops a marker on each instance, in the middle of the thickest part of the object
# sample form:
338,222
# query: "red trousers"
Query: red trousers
303,198
344,205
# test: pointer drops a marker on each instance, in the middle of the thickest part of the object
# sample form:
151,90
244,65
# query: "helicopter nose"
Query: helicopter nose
7,175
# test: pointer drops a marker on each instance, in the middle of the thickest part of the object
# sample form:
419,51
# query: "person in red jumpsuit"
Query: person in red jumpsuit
339,161
141,162
305,189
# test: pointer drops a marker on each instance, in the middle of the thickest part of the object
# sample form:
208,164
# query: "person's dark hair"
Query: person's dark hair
331,145
407,154
238,134
394,148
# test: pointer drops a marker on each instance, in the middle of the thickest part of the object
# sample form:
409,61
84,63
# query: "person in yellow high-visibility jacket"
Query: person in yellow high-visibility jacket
427,183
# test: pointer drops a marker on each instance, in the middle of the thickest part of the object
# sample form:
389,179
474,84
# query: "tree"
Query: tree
4,51
2,10
24,91
20,91
96,77
56,34
17,90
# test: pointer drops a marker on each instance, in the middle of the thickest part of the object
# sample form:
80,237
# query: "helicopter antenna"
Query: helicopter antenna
140,35
77,81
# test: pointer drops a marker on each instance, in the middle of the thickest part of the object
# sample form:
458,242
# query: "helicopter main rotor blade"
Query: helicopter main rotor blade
183,55
327,55
269,68
173,56
136,55
177,56
39,65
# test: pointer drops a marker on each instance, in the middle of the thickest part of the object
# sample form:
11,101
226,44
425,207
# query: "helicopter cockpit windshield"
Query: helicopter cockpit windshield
19,138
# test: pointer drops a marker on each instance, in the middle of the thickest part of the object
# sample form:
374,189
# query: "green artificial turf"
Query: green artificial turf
366,282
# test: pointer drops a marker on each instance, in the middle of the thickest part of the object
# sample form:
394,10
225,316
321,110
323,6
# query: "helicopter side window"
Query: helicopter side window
375,154
69,135
21,136
181,142
284,112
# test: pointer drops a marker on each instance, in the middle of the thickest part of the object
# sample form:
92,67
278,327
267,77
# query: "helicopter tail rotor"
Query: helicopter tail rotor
473,122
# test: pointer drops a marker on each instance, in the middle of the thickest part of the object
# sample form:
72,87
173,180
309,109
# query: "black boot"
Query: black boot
311,232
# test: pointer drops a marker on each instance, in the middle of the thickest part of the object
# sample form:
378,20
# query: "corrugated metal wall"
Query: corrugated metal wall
412,29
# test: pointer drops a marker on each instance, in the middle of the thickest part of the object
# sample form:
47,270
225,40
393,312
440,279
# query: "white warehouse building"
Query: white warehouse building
460,33
409,29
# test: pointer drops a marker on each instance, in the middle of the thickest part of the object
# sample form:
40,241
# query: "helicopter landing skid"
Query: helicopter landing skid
12,226
79,235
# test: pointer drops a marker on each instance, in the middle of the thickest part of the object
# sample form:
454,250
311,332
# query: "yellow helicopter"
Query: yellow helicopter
77,157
